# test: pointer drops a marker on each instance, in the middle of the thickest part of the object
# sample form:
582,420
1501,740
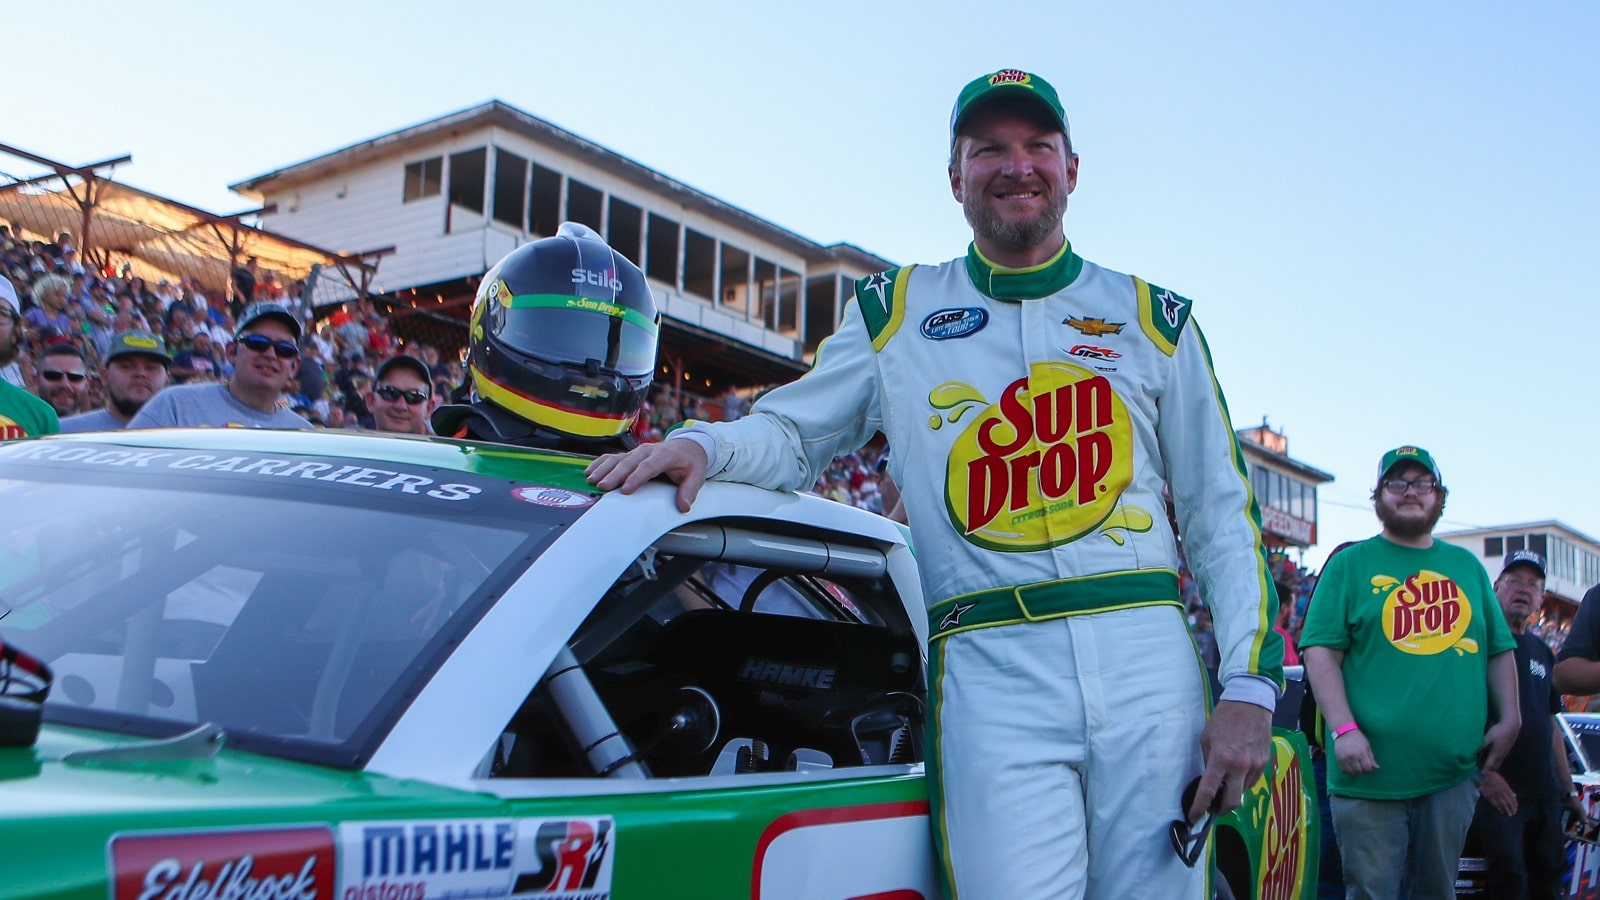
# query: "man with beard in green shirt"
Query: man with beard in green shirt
1405,648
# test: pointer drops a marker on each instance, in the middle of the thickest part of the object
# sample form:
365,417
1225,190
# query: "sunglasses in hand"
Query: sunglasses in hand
1189,840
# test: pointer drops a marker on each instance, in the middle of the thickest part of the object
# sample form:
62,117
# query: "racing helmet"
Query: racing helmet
563,334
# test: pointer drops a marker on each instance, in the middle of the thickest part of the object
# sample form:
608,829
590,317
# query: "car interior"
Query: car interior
728,649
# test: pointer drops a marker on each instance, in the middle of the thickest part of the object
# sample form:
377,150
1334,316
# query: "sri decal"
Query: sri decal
565,859
1282,857
1043,464
1425,613
1094,327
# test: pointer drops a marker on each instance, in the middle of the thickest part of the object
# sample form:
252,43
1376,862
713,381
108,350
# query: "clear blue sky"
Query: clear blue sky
1384,212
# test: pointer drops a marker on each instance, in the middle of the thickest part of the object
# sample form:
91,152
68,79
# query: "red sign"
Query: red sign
267,864
1286,526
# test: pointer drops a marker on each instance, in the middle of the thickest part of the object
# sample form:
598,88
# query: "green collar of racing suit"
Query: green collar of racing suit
999,283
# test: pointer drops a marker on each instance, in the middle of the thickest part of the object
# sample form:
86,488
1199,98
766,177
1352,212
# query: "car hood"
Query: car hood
41,782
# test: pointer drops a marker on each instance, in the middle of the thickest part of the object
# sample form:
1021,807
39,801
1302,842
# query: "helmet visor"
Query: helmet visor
564,328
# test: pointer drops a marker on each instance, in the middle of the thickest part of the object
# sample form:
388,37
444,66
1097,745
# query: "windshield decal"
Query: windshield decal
554,497
391,480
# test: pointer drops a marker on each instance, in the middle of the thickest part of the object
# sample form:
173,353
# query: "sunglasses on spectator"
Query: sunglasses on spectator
260,343
57,375
391,393
1190,840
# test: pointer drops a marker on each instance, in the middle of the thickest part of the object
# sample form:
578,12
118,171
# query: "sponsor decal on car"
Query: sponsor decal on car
851,839
557,498
461,858
1284,838
254,466
268,863
954,323
565,859
1094,327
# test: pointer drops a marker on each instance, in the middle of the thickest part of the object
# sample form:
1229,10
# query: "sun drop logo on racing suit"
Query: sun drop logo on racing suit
1044,465
1426,613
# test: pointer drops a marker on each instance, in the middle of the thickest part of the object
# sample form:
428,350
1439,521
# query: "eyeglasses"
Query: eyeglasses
57,375
1189,841
260,343
1424,487
391,393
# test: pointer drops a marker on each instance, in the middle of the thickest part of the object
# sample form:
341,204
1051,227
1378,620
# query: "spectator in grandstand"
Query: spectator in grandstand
135,370
400,394
21,413
63,375
197,362
265,356
50,305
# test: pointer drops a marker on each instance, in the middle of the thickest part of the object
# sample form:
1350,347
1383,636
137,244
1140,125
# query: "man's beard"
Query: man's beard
125,407
1392,522
9,349
1012,235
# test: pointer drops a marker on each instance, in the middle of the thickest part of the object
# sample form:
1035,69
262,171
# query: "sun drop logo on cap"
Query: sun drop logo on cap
1010,76
1044,465
1425,614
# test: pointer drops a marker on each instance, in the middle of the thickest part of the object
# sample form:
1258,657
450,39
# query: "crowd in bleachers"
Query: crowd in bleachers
68,303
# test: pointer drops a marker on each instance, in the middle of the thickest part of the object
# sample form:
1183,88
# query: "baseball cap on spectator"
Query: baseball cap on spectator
138,343
986,89
1524,558
402,361
1409,453
8,294
258,311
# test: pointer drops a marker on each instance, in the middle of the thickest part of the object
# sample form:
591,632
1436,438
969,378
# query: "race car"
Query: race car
240,664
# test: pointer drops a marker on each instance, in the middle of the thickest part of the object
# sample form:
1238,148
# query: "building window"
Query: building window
662,254
1515,542
1494,547
466,179
1538,543
424,178
584,205
699,265
625,229
766,283
544,201
735,280
510,194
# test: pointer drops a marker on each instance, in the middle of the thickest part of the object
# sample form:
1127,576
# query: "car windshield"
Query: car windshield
299,613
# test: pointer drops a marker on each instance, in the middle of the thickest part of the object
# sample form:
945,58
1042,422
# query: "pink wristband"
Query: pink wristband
1345,729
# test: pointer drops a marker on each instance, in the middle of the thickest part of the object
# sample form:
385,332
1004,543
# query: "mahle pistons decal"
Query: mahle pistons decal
1425,613
1045,463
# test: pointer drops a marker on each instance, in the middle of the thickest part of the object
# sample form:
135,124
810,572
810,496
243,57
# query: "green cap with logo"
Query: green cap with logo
138,343
1006,83
1409,453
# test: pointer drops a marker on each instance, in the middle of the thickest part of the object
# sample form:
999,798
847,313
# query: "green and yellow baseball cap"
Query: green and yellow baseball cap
1409,453
1006,83
138,343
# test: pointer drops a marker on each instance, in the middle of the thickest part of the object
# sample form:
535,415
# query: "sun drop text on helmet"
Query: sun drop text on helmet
607,279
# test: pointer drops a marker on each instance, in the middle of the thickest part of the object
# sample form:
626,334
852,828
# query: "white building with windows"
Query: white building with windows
1571,557
1285,488
745,302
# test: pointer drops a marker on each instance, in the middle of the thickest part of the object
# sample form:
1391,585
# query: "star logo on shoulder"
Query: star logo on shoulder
953,617
1170,307
876,283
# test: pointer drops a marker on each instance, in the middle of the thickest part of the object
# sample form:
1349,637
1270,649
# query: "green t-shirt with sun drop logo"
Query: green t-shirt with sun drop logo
1417,628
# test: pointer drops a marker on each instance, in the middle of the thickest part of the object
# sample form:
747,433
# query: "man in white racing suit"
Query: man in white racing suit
1041,408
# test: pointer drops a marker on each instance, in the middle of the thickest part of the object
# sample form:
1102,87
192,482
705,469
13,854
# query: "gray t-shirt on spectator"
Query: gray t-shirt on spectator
98,420
208,405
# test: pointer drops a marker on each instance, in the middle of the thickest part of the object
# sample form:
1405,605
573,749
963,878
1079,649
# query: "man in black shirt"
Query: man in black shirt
1517,826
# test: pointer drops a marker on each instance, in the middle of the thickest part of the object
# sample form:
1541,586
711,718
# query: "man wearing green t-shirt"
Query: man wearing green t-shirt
1407,651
